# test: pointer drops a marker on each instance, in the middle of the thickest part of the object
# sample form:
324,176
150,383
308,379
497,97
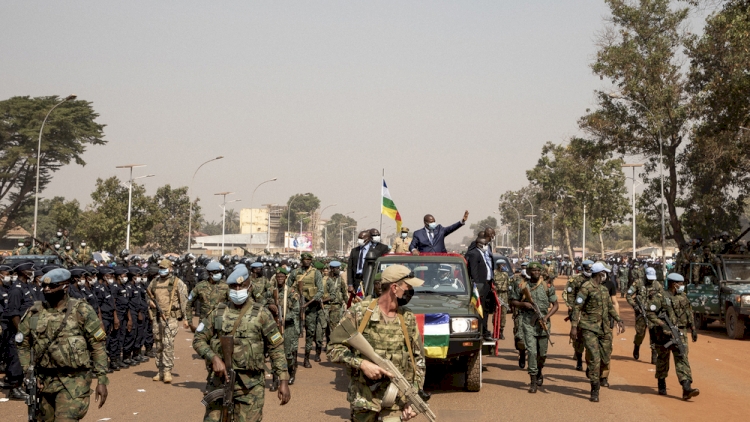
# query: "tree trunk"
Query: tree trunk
601,243
567,243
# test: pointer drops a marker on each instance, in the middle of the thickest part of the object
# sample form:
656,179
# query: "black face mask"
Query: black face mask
406,298
55,297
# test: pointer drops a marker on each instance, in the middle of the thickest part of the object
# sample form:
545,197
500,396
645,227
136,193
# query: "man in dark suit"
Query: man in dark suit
378,248
488,233
432,237
356,262
481,274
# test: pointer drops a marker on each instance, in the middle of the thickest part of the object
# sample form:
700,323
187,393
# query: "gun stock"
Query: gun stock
527,295
676,340
30,383
227,347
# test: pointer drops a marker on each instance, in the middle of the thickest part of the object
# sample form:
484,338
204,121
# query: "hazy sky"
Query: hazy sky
453,99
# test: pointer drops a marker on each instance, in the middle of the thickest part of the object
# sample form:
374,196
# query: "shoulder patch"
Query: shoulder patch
199,328
99,335
570,289
276,338
653,307
579,300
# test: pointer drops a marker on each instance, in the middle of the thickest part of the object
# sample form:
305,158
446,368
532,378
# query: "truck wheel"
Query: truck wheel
700,320
474,372
735,324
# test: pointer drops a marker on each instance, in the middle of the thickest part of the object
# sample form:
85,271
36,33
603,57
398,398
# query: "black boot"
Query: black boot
113,365
17,394
637,351
522,359
604,382
317,354
144,358
594,392
579,361
306,362
662,387
533,384
150,352
653,357
274,383
688,391
292,368
539,378
122,364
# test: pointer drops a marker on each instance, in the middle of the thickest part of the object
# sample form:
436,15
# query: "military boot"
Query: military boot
317,354
688,391
533,385
594,392
17,394
274,383
143,356
579,361
150,352
306,362
604,382
292,368
126,358
167,377
522,359
121,362
539,378
159,376
636,351
662,387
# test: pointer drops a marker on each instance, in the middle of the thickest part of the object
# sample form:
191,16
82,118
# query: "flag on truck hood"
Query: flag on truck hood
476,300
435,330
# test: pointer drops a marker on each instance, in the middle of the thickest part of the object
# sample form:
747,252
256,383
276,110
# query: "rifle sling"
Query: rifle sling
256,308
366,319
68,311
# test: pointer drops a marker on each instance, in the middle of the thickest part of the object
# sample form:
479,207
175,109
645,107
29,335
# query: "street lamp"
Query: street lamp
190,189
531,233
633,178
325,238
251,210
39,158
342,236
518,236
618,95
130,195
224,215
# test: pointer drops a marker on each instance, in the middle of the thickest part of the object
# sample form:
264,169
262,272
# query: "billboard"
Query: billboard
298,241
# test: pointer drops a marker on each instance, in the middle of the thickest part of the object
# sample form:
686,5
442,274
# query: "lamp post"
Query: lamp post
633,178
617,95
251,210
518,235
342,237
325,235
39,159
130,196
531,228
190,189
224,215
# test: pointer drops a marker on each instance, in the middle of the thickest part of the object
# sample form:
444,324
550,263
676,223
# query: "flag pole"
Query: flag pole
382,180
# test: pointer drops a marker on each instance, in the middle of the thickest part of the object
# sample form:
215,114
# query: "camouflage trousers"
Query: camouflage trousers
578,344
291,339
640,332
536,348
503,310
323,319
313,331
517,334
372,416
681,364
623,284
65,398
164,334
598,353
247,408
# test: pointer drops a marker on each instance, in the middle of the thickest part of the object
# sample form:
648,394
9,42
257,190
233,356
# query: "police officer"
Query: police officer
134,315
20,299
5,284
110,316
121,294
143,319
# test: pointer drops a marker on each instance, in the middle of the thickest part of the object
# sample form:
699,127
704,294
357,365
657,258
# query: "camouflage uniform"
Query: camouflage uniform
262,290
339,294
83,255
571,292
591,316
622,277
291,324
387,338
642,290
174,308
680,312
66,370
534,337
517,334
502,284
312,281
209,295
257,332
323,315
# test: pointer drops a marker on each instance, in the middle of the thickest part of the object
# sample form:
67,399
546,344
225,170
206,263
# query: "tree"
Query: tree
514,206
211,228
488,223
336,225
52,214
169,234
67,133
297,206
232,223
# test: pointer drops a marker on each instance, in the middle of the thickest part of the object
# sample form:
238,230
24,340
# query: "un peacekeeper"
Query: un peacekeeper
516,281
290,315
209,293
262,287
571,292
641,292
591,315
674,303
69,350
310,294
501,286
401,244
530,328
337,289
391,329
171,295
254,330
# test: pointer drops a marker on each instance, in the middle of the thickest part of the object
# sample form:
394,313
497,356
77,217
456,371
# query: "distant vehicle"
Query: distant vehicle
508,263
450,295
504,250
14,260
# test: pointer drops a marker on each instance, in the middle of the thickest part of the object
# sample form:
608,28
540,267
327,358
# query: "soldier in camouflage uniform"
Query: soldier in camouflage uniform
639,294
571,292
171,294
674,303
254,331
501,285
324,299
517,335
291,323
311,293
622,278
337,291
69,349
591,318
382,322
262,288
208,293
535,338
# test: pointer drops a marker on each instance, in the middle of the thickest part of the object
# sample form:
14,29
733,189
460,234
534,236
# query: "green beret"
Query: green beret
319,265
305,255
534,266
283,271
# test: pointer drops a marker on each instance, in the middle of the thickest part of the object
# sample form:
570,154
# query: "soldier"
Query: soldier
535,338
501,286
170,294
592,305
64,372
672,304
516,281
622,278
309,282
571,292
262,287
639,294
388,327
289,314
20,248
337,290
83,254
259,332
322,330
401,244
209,293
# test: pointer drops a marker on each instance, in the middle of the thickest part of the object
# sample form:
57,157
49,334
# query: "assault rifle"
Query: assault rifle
640,309
676,335
227,392
46,246
29,381
527,295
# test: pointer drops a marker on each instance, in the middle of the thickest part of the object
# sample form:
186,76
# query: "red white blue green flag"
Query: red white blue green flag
389,209
435,331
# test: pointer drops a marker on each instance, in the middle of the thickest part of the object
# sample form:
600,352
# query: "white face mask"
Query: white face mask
82,283
14,277
681,289
216,277
360,242
163,272
432,226
83,244
403,235
6,279
20,244
110,280
67,248
59,234
57,246
376,239
238,297
483,248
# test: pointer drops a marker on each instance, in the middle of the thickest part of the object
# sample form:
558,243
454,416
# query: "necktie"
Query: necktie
361,259
430,235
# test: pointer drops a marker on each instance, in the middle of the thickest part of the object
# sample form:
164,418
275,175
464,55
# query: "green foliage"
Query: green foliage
336,226
488,223
52,214
169,233
70,128
299,204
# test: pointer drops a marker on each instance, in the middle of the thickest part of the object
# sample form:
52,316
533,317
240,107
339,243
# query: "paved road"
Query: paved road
719,368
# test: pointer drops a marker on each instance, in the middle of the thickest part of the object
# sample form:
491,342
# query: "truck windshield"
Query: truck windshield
737,270
449,279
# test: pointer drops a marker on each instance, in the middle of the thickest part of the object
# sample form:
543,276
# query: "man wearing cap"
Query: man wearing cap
640,293
110,317
130,354
259,333
64,371
309,283
530,328
83,253
321,332
401,244
20,299
672,304
518,278
289,308
139,291
170,294
501,285
262,287
209,293
431,238
592,306
337,291
121,295
390,329
571,292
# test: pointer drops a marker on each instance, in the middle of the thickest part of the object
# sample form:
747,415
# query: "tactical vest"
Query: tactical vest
387,339
69,350
308,283
166,295
248,353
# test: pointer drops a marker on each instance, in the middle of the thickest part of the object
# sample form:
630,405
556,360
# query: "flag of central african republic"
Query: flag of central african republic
435,330
389,208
